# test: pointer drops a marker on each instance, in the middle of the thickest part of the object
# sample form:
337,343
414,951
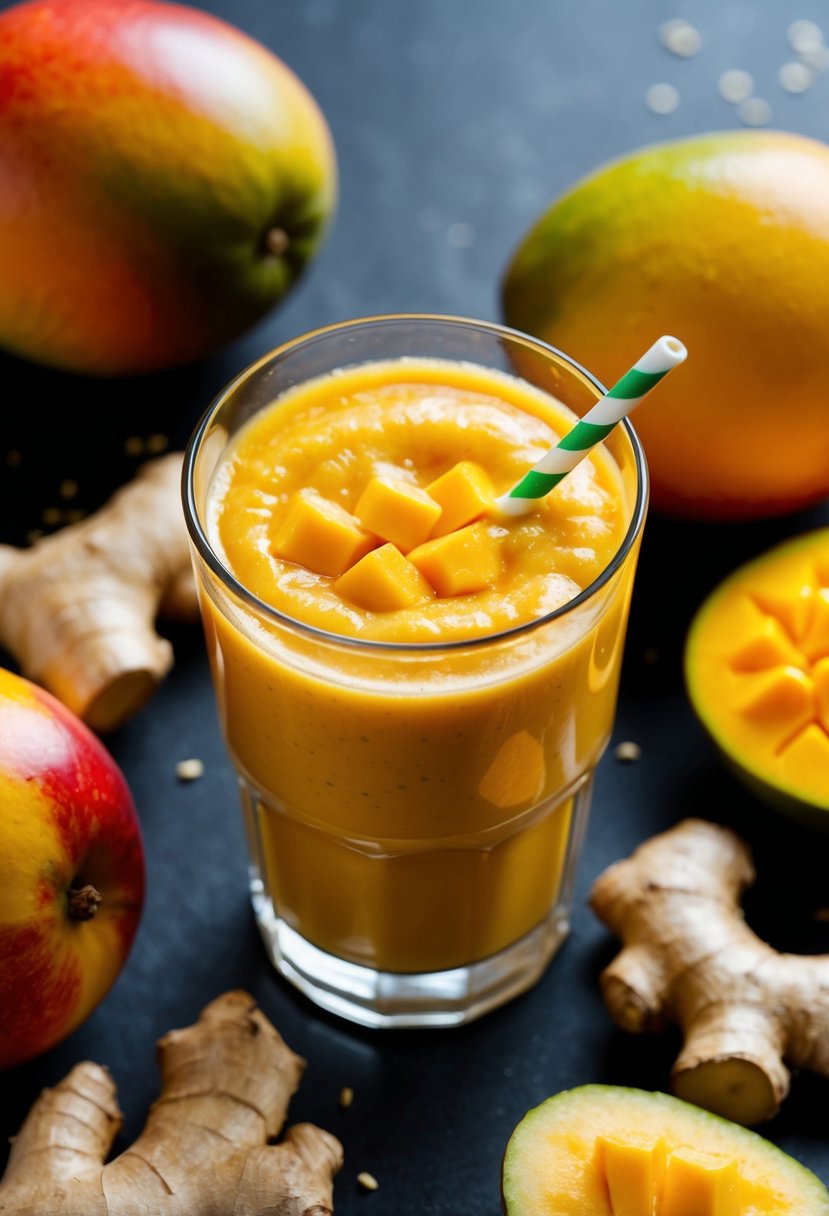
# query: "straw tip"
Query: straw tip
508,507
675,352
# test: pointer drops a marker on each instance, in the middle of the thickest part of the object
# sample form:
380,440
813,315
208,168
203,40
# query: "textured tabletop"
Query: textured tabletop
456,121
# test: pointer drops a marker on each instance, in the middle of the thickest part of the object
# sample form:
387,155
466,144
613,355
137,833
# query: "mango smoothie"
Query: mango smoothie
414,690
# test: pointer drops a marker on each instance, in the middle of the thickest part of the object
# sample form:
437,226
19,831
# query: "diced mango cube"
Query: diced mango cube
769,647
633,1171
397,511
320,535
803,762
784,694
699,1184
794,610
383,581
460,563
464,494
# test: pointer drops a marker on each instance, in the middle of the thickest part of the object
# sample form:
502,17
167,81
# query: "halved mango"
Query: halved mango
595,1150
756,672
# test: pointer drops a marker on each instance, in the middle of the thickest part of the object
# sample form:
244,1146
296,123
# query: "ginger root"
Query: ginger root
226,1083
689,958
77,609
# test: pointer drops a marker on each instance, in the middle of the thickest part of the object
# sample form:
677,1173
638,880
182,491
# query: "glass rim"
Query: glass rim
208,555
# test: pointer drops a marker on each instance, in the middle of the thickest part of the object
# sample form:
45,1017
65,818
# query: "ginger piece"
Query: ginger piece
746,1012
77,609
225,1087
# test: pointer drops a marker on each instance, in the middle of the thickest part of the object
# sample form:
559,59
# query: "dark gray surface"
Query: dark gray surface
445,113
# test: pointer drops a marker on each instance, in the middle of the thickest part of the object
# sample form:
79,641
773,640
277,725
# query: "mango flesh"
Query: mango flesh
723,240
757,673
163,181
556,1160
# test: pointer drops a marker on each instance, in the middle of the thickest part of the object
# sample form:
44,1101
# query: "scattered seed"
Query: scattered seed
134,446
680,38
33,536
13,458
662,98
51,516
735,85
821,914
628,753
68,488
754,112
367,1181
74,516
346,1096
795,77
189,770
157,443
804,36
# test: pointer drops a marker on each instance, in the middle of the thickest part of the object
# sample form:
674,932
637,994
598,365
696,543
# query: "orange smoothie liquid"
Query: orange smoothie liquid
410,806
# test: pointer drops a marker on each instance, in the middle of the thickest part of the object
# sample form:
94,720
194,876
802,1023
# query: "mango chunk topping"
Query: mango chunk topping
633,1173
464,494
383,581
700,1184
320,535
461,563
397,511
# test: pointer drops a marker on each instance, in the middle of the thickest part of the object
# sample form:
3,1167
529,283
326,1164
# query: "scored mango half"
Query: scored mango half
757,673
603,1150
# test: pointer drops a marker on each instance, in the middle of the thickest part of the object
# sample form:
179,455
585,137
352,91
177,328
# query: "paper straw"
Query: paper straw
665,354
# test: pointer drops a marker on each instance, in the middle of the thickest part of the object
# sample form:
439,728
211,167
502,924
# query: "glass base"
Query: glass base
387,999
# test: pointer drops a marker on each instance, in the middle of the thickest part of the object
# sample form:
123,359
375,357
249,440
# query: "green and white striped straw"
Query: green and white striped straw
665,354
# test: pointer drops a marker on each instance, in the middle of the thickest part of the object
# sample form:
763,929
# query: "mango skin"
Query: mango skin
146,151
550,1168
722,240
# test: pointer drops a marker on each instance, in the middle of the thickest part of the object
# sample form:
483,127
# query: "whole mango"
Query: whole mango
163,181
72,870
722,240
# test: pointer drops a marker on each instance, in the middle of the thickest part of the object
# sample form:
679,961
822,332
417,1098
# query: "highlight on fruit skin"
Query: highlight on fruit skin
723,239
164,180
603,1150
757,674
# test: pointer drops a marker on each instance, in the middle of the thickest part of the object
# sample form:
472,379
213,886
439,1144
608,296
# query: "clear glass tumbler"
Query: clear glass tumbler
414,811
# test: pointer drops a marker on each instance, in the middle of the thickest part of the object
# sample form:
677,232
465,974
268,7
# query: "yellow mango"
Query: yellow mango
756,673
563,1154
